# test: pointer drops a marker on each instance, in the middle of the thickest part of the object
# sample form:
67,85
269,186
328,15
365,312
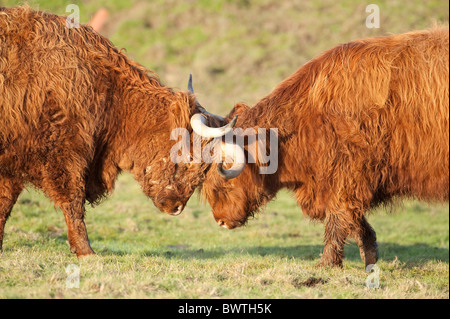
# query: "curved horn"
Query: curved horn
202,110
190,87
198,123
238,160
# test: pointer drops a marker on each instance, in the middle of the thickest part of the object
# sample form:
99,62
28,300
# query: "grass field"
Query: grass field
238,50
143,253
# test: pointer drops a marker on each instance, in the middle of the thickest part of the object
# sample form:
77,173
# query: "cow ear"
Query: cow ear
238,109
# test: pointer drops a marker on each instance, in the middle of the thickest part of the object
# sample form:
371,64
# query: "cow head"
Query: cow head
239,194
171,183
234,189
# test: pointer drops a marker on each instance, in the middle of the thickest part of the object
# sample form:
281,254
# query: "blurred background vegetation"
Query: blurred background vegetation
238,50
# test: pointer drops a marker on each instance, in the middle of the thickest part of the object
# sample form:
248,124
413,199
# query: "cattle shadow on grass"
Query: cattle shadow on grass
410,255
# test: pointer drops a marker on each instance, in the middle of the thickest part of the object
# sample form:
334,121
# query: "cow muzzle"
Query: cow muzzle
175,211
228,225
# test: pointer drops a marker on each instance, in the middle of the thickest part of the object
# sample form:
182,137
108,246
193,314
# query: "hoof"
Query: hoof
86,253
93,254
370,255
371,258
82,252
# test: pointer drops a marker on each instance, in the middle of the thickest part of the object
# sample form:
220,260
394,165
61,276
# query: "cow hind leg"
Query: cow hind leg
366,240
338,227
337,230
9,192
76,228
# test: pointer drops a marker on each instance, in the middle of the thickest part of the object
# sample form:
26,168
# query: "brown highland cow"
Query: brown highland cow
363,123
75,112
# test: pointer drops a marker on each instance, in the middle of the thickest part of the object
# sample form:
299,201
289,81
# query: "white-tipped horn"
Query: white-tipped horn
234,151
198,123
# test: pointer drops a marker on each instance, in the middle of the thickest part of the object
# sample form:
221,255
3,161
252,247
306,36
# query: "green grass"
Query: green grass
143,253
237,50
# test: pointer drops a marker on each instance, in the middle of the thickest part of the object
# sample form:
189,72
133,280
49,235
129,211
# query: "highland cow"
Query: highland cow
75,112
361,124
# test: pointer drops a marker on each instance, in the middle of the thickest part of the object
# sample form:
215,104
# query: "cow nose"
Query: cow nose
176,210
222,223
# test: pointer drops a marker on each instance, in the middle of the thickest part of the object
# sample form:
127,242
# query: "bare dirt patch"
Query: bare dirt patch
310,282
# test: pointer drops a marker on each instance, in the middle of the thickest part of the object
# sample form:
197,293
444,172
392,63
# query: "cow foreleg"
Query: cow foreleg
64,181
76,228
9,192
366,239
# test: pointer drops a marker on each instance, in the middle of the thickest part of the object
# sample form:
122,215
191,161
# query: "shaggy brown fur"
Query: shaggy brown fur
362,123
74,113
